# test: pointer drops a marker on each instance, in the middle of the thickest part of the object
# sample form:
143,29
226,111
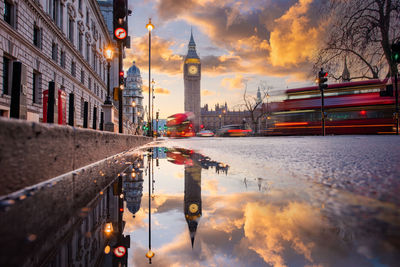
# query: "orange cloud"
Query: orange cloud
163,59
293,40
273,38
157,90
234,83
161,91
206,92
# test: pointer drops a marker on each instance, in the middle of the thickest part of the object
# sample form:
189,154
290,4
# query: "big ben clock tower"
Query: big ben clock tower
191,77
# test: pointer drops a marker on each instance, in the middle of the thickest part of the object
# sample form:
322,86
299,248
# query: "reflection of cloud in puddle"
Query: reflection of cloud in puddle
269,227
210,186
249,229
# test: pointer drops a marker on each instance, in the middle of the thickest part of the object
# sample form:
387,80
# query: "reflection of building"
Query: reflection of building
84,243
191,77
221,115
133,187
192,198
193,162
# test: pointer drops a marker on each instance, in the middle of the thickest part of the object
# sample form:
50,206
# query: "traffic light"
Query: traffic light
396,53
322,79
121,77
120,11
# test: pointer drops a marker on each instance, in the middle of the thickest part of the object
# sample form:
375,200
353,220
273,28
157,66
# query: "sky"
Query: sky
239,43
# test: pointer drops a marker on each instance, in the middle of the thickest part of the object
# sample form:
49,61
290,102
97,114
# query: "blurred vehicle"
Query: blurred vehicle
363,107
234,130
205,133
180,125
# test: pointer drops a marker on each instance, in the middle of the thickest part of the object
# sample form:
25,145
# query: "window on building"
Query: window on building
61,18
80,5
87,16
80,42
54,52
54,10
94,59
90,83
37,36
36,88
82,76
88,52
9,13
73,68
62,59
71,30
7,71
82,107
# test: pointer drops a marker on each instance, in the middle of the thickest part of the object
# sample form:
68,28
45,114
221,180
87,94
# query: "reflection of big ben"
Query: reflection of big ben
192,76
192,199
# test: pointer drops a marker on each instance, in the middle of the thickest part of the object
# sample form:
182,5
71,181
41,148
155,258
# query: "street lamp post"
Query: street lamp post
220,122
150,27
152,106
108,54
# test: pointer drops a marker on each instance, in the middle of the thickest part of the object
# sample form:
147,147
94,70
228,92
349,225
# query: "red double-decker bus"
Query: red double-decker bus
180,125
365,107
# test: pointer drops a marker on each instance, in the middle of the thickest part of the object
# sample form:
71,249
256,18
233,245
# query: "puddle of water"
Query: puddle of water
203,213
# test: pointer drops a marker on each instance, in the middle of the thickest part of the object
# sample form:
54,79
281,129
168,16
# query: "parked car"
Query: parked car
205,133
234,130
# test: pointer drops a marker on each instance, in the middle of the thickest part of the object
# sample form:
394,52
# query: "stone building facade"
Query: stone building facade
133,94
57,40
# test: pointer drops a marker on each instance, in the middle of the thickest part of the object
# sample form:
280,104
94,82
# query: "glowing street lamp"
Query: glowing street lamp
108,229
108,54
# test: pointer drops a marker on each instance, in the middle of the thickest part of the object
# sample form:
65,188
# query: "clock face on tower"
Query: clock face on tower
192,69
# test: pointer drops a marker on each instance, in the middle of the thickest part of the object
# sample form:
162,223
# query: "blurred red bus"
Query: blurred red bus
364,107
180,125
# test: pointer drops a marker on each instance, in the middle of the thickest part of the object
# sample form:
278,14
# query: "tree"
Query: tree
362,32
253,104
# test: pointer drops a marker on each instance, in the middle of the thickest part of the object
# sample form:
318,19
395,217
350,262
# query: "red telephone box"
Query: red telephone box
61,106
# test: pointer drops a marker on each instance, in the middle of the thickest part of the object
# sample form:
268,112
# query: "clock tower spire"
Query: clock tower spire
192,77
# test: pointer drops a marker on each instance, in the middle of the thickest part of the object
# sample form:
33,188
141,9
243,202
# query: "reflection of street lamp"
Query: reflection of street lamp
108,54
149,27
149,254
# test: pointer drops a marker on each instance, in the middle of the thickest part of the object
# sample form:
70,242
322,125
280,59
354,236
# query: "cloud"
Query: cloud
163,59
206,92
161,91
293,40
234,83
264,37
157,90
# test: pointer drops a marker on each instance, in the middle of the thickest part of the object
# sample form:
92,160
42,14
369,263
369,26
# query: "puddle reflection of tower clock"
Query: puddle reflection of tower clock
192,198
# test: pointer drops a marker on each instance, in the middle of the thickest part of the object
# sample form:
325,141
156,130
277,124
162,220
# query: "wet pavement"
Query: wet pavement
227,202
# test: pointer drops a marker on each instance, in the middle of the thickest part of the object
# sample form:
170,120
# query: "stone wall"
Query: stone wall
31,152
